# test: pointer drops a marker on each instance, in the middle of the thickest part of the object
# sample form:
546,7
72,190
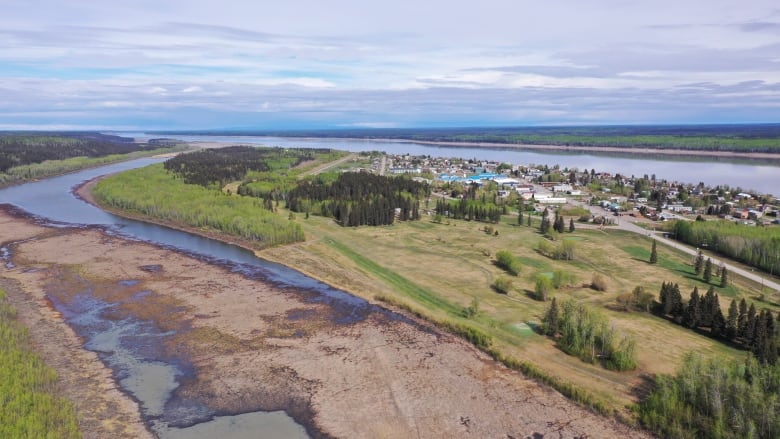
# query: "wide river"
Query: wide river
758,175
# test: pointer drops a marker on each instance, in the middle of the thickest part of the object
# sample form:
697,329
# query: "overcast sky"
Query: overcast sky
195,64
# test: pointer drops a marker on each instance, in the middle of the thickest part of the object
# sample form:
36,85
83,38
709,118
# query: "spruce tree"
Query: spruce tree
742,322
708,270
551,319
699,263
724,277
654,253
692,311
732,321
752,321
571,225
529,220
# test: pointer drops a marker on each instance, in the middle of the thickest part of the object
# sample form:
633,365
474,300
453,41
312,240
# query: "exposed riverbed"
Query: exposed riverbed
189,328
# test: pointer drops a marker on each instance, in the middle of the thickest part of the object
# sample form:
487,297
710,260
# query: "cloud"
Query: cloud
348,63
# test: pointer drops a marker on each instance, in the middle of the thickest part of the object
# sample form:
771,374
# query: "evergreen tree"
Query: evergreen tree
708,270
654,253
724,277
732,321
571,225
693,310
742,322
699,263
551,319
752,320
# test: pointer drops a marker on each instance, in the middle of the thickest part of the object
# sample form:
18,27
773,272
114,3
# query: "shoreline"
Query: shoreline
608,149
641,151
252,350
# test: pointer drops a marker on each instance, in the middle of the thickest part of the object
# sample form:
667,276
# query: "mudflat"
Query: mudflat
340,368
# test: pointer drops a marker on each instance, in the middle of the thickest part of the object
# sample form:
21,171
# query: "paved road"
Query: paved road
623,223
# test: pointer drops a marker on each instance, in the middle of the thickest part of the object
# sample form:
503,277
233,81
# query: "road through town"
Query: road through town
623,223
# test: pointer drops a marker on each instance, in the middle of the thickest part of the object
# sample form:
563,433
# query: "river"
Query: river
762,176
147,379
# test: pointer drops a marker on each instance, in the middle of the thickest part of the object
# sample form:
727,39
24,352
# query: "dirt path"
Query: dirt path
343,370
327,166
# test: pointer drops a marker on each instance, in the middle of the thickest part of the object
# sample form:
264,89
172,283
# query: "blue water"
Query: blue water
759,175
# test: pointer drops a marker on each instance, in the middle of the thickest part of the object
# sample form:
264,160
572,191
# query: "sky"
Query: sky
295,64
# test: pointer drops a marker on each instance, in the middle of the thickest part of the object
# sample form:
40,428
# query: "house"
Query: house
561,187
552,200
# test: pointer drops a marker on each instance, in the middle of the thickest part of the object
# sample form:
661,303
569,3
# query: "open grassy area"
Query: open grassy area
439,269
444,272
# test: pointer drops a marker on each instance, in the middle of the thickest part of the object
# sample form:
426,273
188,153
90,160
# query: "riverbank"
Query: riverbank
641,151
421,369
605,149
102,408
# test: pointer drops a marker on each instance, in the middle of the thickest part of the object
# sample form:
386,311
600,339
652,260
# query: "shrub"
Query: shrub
543,287
598,282
506,261
503,285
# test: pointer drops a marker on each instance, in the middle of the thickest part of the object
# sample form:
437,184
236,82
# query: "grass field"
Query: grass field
439,269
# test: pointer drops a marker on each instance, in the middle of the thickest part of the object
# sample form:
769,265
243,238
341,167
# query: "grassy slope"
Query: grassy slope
437,269
29,404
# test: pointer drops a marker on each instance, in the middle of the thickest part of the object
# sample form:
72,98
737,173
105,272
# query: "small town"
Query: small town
544,186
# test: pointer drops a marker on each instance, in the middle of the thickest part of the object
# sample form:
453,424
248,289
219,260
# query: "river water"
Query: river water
147,379
762,176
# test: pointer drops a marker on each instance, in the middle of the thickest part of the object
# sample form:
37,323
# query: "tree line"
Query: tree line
356,199
18,149
217,165
744,326
154,192
470,210
756,246
715,399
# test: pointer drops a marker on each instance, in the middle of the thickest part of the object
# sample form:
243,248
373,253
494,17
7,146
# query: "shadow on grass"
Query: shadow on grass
642,389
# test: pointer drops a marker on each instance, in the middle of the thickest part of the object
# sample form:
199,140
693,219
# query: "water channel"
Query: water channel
144,377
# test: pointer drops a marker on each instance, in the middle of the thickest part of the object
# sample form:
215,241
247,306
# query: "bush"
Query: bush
503,285
598,282
506,261
562,278
543,287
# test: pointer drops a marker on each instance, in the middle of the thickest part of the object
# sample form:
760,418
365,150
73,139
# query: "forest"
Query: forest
30,406
356,199
743,326
32,156
715,399
154,192
741,138
17,149
755,246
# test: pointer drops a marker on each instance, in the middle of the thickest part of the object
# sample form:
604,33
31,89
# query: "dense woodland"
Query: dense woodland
755,246
356,199
744,138
30,406
744,326
224,165
17,149
715,399
154,192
